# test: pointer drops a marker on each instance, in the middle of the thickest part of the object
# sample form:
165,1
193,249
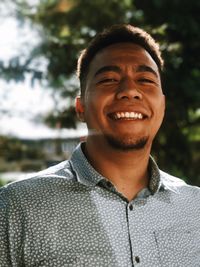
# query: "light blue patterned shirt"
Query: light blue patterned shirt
69,215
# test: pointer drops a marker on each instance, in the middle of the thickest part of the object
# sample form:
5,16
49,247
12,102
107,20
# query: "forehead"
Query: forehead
122,54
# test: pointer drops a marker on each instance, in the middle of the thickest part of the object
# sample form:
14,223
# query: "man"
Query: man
109,205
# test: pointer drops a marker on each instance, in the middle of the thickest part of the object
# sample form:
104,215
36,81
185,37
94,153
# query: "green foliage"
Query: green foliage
62,119
2,182
12,149
66,27
181,80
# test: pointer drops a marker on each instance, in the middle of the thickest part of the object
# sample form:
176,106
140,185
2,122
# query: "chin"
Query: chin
127,144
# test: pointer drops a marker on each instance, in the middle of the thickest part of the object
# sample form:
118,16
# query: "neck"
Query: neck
127,170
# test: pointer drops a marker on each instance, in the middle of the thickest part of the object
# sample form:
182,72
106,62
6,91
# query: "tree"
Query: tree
67,26
180,135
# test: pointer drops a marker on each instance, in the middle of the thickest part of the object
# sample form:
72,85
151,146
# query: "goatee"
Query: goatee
126,144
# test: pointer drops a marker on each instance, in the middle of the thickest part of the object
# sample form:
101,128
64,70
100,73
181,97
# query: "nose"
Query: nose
128,90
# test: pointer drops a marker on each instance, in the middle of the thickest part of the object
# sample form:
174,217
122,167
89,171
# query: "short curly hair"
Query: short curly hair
119,33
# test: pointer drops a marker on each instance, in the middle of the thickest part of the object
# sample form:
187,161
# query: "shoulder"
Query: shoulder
50,179
170,180
179,186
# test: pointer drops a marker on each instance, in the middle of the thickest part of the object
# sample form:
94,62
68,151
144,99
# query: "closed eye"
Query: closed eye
144,80
108,80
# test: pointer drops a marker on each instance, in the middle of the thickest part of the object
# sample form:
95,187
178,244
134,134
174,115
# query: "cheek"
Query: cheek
156,103
160,109
96,100
92,110
95,112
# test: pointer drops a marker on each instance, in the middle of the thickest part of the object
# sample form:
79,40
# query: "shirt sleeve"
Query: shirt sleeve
5,260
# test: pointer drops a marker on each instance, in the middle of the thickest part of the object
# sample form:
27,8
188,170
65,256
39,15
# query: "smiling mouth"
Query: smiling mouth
127,116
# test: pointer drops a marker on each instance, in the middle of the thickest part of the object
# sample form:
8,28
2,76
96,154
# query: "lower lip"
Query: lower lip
127,120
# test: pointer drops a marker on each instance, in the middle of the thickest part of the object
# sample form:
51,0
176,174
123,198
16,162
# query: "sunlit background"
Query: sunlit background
39,45
23,104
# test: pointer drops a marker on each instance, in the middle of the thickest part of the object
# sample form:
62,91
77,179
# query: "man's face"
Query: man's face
123,102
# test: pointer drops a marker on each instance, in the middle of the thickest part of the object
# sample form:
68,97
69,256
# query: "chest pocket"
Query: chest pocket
178,247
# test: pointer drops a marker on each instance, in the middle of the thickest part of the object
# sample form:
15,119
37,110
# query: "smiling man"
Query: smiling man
123,105
109,205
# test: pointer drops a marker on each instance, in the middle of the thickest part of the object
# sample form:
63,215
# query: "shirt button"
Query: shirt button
130,207
108,184
137,259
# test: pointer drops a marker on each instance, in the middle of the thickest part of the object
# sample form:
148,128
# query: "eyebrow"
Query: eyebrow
108,68
145,68
140,68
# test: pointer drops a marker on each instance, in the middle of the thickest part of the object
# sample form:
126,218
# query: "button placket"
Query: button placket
108,184
137,259
130,207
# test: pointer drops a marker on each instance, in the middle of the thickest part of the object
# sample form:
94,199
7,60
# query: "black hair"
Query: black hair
116,34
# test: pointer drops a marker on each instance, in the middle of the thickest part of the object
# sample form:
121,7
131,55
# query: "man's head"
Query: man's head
121,95
116,34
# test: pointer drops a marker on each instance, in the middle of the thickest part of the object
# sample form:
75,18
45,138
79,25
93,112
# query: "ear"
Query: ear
79,108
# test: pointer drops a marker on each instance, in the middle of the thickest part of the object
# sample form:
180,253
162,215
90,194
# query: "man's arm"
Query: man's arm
5,260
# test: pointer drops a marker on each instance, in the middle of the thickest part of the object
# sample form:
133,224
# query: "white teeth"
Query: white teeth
118,115
140,116
128,115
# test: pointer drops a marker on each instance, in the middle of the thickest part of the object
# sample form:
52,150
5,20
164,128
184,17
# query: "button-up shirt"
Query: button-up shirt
70,215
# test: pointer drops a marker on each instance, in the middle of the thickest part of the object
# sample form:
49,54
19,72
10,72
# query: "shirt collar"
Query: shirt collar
85,173
88,176
154,173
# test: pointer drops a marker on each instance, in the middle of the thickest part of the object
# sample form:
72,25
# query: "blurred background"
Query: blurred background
40,41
